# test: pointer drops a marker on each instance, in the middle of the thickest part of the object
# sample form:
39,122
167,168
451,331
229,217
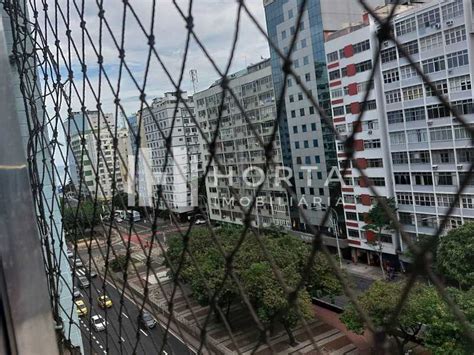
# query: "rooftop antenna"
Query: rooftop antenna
193,73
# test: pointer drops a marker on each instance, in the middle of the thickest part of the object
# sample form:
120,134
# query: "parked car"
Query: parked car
200,221
147,320
76,293
78,262
104,301
69,253
98,323
81,308
83,282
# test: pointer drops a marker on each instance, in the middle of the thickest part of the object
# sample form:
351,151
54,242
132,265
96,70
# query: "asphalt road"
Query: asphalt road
123,335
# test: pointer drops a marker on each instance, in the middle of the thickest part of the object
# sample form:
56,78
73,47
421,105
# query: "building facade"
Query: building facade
240,151
175,171
307,140
93,154
409,143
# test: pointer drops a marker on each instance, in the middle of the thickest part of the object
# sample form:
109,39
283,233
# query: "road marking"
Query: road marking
145,334
122,339
123,314
100,346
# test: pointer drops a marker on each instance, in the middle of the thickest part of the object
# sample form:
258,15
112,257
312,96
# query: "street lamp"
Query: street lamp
335,225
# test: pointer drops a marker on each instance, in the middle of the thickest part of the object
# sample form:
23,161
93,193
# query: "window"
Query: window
433,65
426,221
441,88
420,157
424,199
417,136
349,199
306,60
353,233
400,158
361,46
363,66
467,201
335,74
461,133
431,42
307,77
423,179
336,93
295,129
402,178
338,111
311,110
303,128
443,156
376,181
375,163
395,117
301,112
405,26
455,35
463,107
460,83
397,138
303,43
441,134
332,57
390,76
429,18
351,215
372,144
370,105
457,59
445,179
412,92
437,111
404,198
406,218
452,10
370,125
313,127
393,96
388,55
283,34
466,155
408,72
446,200
415,114
410,48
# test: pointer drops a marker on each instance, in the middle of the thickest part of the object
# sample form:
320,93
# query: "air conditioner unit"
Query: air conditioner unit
449,23
436,25
430,123
370,132
460,167
435,167
386,43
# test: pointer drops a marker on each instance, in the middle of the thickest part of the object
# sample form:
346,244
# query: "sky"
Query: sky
214,24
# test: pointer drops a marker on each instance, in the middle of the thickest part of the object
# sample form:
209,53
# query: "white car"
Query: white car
200,221
69,253
98,322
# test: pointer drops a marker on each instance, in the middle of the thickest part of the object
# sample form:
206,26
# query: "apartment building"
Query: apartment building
410,145
239,149
307,140
175,170
93,153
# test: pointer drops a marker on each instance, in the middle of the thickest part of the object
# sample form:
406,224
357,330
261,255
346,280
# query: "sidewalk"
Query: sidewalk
363,270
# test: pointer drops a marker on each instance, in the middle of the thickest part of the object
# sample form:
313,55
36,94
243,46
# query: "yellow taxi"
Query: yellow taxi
104,301
81,308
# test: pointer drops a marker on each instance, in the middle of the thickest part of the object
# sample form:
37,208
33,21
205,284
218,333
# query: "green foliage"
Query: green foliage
378,219
77,221
442,334
455,256
118,264
252,268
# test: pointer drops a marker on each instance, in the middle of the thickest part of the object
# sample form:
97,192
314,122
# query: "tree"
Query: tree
424,319
379,303
455,256
118,264
378,221
254,272
77,221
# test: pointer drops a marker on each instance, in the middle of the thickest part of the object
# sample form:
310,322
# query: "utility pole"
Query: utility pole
193,73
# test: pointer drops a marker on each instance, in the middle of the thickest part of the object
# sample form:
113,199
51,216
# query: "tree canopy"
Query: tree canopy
254,272
424,318
455,256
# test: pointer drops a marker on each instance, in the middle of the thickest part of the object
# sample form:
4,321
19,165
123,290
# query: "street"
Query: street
122,336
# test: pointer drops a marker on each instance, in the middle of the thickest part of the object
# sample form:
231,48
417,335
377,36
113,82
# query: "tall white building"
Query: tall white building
306,139
176,173
240,152
93,151
425,151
